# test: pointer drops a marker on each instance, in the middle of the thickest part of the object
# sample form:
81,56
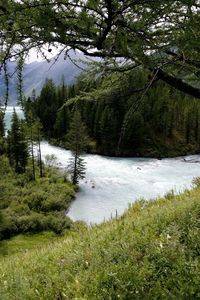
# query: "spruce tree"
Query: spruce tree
2,133
33,131
76,141
2,127
17,145
62,122
30,129
46,107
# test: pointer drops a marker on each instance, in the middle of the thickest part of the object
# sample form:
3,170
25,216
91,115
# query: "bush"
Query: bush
58,223
196,182
54,203
35,200
23,179
30,206
34,223
20,209
9,226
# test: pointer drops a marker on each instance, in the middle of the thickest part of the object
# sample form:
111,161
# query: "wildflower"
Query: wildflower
168,236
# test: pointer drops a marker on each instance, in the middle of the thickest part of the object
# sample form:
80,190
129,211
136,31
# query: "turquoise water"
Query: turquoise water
8,115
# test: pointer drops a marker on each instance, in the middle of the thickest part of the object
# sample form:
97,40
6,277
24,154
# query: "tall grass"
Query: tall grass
151,252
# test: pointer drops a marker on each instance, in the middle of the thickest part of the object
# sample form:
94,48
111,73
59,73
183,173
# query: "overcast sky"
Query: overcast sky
34,56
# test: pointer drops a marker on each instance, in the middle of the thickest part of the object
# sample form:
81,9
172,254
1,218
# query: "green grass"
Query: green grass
23,243
151,252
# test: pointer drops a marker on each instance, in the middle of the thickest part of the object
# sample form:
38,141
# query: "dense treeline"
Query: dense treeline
158,121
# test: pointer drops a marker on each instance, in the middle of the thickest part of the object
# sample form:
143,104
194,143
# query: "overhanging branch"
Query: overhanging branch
178,83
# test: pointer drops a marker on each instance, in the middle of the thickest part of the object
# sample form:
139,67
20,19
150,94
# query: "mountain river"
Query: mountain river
111,184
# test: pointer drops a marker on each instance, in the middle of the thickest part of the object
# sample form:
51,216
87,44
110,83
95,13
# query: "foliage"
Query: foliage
156,122
17,145
2,126
47,106
76,168
2,133
33,128
151,252
125,33
76,142
33,206
51,160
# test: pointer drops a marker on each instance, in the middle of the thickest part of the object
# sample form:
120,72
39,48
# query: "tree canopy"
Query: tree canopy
162,36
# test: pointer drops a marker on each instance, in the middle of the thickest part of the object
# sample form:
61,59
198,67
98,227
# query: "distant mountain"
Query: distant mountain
35,74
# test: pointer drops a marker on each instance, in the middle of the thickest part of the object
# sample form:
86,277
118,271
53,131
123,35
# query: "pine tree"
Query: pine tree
76,141
30,130
2,127
134,131
47,106
62,122
33,131
17,146
2,133
40,163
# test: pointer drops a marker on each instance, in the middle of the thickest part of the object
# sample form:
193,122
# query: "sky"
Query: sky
34,56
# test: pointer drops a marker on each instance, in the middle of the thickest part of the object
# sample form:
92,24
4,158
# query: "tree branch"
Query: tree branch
181,57
178,83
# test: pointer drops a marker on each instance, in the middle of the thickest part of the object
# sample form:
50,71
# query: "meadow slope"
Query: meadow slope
151,252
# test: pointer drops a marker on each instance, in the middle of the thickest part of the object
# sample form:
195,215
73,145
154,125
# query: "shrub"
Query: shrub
53,203
35,200
20,209
58,222
30,206
34,223
196,182
9,226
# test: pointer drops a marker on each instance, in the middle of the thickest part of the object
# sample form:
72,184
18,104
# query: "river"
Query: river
112,183
8,115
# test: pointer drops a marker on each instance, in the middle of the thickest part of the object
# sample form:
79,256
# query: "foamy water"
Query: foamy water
112,183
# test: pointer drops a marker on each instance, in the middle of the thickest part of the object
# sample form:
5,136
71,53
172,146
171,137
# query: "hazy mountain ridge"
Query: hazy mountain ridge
35,74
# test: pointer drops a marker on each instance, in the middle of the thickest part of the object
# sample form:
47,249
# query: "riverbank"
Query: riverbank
151,252
157,148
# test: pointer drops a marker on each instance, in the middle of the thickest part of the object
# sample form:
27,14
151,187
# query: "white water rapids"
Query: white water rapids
112,183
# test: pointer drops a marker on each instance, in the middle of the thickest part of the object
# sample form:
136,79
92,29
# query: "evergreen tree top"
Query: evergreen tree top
77,137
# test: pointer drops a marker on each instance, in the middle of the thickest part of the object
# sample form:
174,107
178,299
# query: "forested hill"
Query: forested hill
35,73
159,121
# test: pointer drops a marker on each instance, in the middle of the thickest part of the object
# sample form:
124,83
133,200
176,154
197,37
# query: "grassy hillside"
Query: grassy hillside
151,252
